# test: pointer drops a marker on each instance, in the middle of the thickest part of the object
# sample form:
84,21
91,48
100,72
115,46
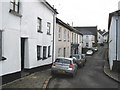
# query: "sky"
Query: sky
85,12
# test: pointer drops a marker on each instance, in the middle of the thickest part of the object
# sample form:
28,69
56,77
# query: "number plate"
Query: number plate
61,71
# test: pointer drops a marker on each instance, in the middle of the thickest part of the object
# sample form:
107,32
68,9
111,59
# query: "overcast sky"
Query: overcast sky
85,12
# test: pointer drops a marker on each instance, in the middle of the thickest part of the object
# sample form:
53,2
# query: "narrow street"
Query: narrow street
90,76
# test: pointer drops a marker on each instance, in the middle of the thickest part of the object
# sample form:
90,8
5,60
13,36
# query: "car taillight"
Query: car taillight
70,66
53,64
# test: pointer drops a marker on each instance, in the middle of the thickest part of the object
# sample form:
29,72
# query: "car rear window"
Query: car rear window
63,61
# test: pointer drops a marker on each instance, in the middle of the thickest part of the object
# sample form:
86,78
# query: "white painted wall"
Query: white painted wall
10,40
15,27
29,30
90,39
112,41
100,38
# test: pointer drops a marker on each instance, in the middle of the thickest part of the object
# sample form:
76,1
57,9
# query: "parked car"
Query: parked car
79,60
64,65
89,52
95,49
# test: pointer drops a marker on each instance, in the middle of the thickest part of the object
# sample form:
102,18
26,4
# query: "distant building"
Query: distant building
89,36
100,37
114,40
67,40
105,37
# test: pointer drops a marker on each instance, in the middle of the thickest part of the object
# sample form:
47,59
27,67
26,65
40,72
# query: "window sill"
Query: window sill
40,32
15,13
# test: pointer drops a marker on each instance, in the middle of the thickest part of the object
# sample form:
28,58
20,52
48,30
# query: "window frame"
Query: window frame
49,48
39,52
14,5
44,52
39,25
48,28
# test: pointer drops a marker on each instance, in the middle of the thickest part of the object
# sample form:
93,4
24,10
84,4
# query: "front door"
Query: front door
22,52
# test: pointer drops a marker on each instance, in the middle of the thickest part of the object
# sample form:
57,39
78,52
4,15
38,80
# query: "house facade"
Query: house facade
68,40
105,37
89,37
100,37
114,40
27,36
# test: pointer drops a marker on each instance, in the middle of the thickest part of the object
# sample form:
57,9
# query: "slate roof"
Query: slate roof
87,30
67,26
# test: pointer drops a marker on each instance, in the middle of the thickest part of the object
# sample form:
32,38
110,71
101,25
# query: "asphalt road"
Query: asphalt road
90,76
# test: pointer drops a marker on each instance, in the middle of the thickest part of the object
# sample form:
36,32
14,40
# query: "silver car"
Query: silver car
64,65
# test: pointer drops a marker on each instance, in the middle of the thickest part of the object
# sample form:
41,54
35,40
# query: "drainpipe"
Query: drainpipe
116,37
53,37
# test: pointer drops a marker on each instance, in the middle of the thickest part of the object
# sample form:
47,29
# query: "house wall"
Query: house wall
90,39
112,41
15,27
34,38
61,43
100,38
10,25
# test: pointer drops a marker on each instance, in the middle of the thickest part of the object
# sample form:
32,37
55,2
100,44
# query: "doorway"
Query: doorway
22,53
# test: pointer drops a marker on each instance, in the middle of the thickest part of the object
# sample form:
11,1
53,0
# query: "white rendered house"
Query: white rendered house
27,36
114,38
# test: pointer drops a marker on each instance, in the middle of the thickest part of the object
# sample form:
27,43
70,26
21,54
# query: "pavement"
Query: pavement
38,80
112,74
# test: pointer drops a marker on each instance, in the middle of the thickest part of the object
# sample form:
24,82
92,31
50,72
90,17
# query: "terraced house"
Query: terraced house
67,40
114,40
26,37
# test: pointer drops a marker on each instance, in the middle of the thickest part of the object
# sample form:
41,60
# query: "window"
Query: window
59,52
39,24
68,36
39,52
48,28
64,34
15,5
86,44
72,37
0,45
49,51
44,52
59,34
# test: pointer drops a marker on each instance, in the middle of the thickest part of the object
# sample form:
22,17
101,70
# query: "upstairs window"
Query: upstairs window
64,35
39,24
59,33
68,36
14,5
48,28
